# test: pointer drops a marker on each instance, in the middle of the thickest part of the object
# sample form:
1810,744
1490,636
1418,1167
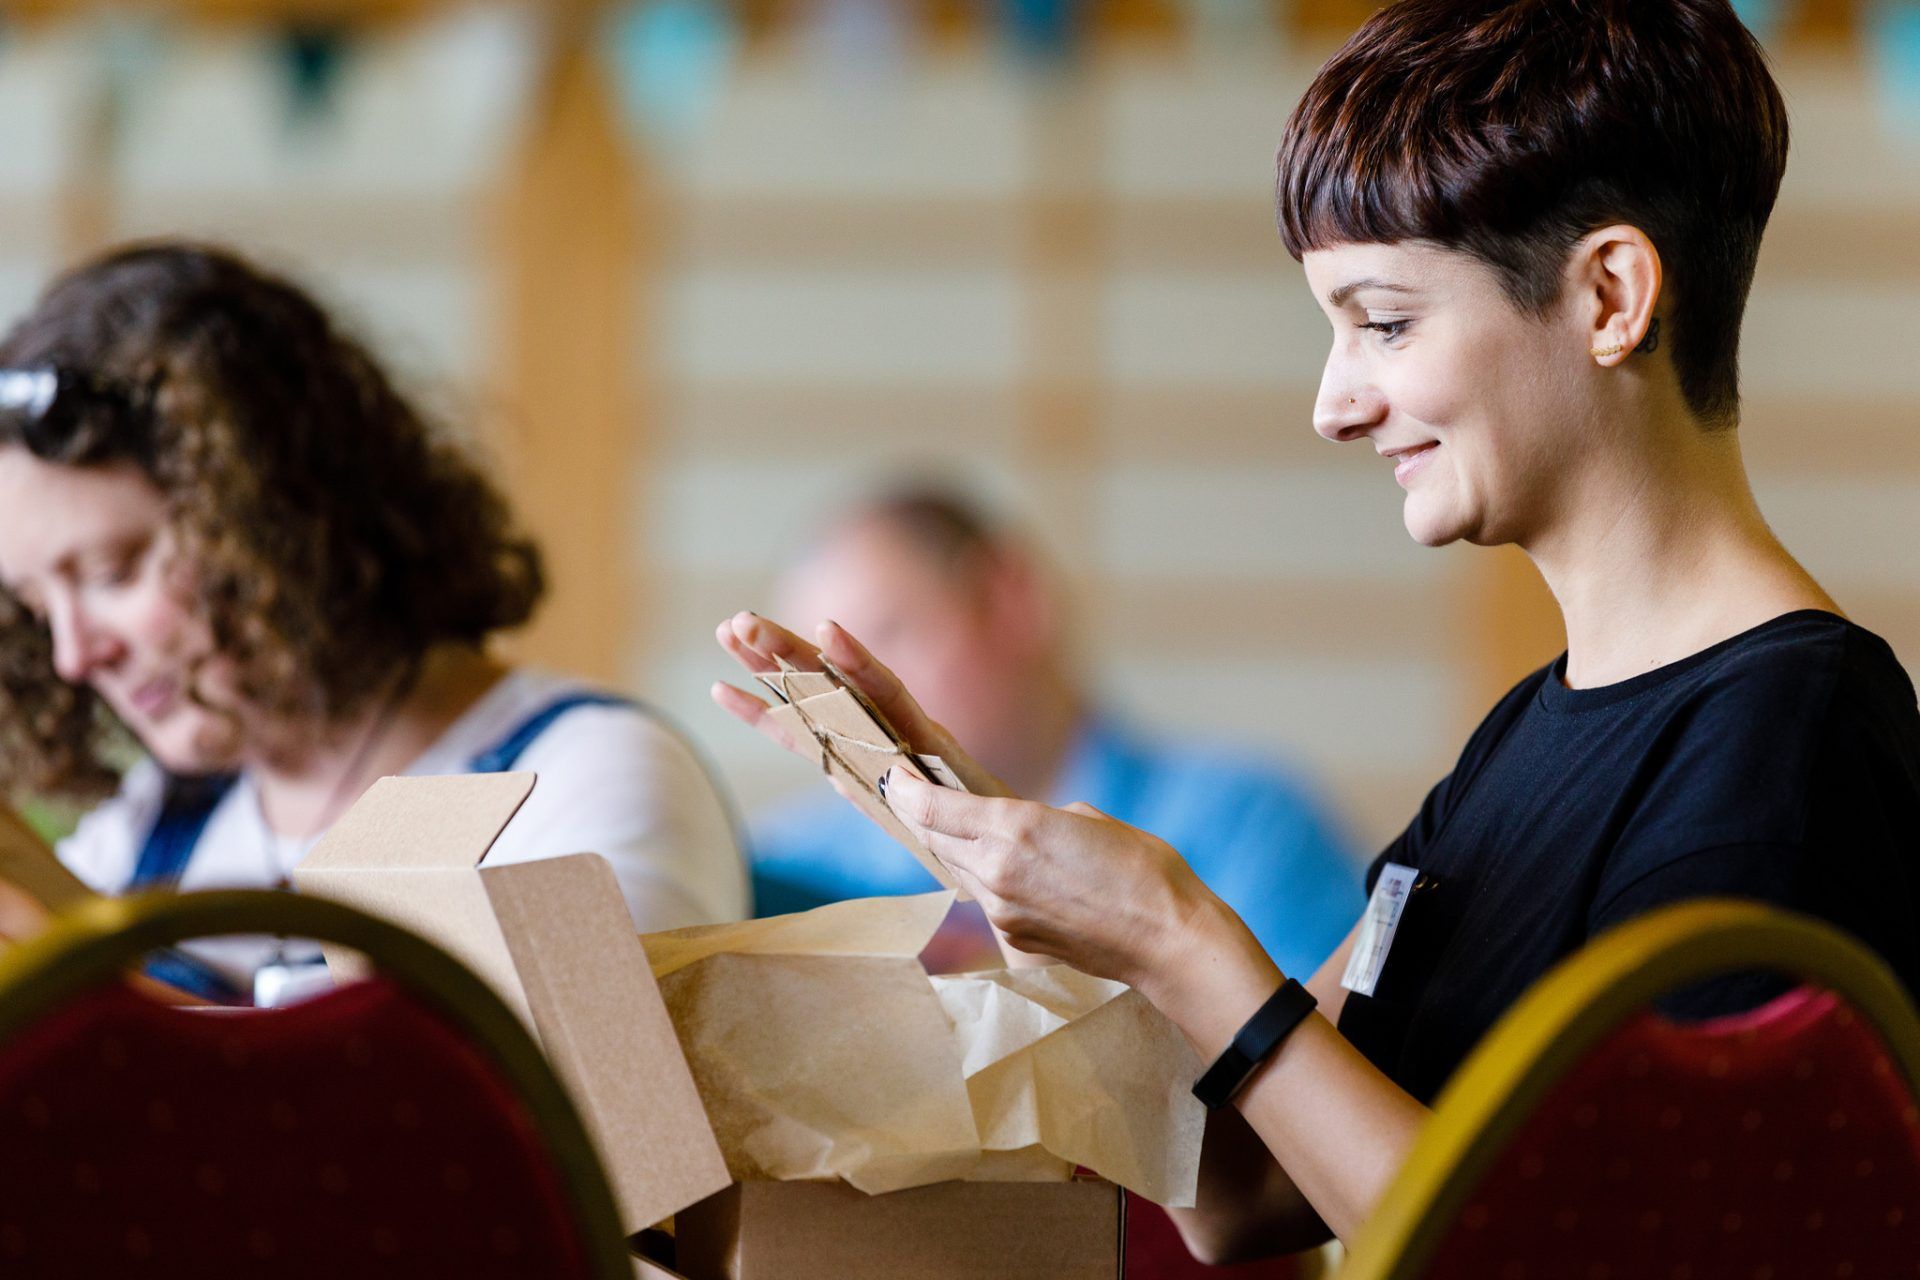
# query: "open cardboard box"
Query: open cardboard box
553,938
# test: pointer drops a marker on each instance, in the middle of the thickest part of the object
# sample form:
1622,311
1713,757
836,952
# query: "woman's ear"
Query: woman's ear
1618,273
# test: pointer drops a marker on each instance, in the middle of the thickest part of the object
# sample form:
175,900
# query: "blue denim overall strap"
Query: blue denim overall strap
163,859
504,754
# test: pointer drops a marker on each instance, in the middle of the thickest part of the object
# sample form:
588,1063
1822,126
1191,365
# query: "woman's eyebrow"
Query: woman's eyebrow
1338,298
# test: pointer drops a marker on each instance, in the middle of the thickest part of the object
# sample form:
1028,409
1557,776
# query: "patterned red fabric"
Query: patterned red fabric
357,1135
1156,1252
1778,1144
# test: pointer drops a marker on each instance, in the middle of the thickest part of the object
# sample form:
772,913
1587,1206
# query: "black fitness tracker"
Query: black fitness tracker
1284,1010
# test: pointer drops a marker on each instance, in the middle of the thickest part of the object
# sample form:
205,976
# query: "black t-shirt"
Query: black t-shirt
1781,765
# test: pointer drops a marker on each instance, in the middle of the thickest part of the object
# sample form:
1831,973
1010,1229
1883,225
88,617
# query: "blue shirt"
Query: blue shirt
1254,836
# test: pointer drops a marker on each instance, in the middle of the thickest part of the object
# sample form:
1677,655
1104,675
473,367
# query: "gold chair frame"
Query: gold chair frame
101,940
1566,1014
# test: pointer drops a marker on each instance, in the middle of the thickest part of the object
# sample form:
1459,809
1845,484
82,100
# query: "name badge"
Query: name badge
282,982
1377,927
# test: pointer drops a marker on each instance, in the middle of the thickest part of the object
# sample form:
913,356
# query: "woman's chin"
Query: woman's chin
193,750
1428,526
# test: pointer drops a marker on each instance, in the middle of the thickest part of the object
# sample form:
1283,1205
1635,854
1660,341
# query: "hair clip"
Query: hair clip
31,392
53,404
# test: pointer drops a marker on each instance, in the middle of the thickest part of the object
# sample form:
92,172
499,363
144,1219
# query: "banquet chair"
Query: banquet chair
405,1125
1591,1138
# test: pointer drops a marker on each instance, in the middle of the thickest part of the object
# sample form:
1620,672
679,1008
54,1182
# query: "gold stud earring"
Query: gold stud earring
1351,400
1601,353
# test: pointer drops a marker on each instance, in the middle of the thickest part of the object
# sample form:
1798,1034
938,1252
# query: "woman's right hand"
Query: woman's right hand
760,645
21,914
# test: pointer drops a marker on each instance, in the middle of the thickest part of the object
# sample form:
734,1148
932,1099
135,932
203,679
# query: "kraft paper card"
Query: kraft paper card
847,737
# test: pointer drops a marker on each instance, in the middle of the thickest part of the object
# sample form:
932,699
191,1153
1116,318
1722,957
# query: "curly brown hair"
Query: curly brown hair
330,533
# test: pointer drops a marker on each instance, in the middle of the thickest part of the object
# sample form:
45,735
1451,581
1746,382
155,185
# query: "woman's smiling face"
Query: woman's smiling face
1479,406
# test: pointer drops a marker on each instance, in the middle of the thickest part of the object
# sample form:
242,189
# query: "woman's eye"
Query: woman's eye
115,571
1390,329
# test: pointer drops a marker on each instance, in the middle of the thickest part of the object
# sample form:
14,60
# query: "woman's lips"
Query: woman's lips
153,698
1408,461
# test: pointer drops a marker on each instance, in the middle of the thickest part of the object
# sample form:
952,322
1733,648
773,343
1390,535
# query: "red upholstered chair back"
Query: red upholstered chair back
371,1132
1603,1142
1779,1144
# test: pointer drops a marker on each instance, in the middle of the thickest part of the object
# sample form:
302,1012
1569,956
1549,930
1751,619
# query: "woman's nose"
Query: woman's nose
1341,414
1345,407
78,642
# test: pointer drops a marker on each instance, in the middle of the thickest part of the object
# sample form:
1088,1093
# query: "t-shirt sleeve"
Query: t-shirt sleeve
617,782
1407,846
1759,872
1780,795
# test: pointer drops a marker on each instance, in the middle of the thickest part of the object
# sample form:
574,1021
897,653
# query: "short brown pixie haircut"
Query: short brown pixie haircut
330,533
1508,129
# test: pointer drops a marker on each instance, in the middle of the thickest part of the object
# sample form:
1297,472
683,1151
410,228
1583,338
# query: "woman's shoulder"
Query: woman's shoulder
1802,669
594,725
1807,716
534,714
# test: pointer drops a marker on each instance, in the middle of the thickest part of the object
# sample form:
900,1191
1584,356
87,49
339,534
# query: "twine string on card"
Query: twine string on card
830,739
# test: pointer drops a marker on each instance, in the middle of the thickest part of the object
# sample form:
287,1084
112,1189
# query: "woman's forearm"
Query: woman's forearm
1338,1127
1246,1206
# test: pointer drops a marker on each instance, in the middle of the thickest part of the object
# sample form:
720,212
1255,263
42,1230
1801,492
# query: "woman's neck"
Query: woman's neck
1664,553
312,774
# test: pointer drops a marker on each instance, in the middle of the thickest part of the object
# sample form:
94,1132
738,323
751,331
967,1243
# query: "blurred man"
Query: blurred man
962,612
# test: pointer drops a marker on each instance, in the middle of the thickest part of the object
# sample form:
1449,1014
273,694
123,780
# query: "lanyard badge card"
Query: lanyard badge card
1396,888
848,738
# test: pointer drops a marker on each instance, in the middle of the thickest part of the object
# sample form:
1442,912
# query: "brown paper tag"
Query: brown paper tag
836,734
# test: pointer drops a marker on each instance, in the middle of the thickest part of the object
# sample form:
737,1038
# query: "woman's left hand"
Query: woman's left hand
1073,883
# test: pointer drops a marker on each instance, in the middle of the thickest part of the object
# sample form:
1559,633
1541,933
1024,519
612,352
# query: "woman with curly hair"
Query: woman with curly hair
225,535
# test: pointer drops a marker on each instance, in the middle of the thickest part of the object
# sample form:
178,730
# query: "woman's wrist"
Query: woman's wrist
1209,974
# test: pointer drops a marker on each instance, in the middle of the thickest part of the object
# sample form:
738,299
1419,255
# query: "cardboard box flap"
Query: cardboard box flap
406,852
27,863
422,823
554,939
601,1020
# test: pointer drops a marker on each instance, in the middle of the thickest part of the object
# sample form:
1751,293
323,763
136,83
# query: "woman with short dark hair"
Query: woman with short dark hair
226,535
1533,225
